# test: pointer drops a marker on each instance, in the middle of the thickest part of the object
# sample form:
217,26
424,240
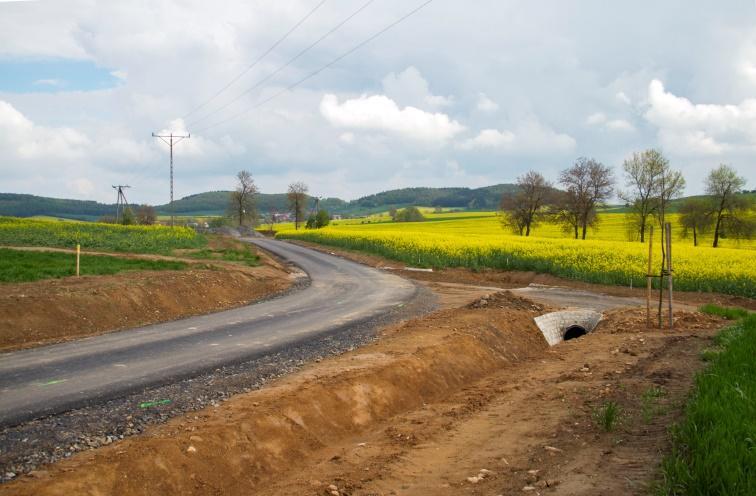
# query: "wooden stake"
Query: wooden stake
668,228
649,276
78,257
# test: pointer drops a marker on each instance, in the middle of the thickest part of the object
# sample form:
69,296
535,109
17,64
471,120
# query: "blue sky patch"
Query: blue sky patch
53,75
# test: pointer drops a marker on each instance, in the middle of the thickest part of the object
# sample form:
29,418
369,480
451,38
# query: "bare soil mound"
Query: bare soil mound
246,442
49,311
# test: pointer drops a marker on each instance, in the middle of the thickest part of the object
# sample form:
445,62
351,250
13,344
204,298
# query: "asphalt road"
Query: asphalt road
56,378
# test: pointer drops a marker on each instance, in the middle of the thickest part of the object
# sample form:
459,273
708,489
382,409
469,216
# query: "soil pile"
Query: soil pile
244,443
50,311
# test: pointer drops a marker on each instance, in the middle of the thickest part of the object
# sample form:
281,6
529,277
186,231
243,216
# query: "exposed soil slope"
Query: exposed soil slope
430,404
55,310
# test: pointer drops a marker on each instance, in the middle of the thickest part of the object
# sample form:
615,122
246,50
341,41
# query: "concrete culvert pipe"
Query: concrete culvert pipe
568,324
574,331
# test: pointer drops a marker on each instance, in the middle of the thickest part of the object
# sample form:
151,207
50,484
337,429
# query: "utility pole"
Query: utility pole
121,203
170,140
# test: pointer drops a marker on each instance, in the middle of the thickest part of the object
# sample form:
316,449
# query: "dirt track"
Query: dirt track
430,404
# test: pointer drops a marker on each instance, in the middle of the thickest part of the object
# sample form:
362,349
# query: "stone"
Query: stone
473,480
191,449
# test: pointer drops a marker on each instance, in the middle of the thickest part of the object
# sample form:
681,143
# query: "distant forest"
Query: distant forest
216,202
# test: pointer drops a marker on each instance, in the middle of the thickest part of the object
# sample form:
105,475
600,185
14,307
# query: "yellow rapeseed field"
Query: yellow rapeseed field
96,236
479,242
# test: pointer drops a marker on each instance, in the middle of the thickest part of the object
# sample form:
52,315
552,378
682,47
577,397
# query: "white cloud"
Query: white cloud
600,119
347,138
489,138
409,87
20,138
485,104
380,113
122,75
688,128
620,125
596,118
529,137
48,82
622,97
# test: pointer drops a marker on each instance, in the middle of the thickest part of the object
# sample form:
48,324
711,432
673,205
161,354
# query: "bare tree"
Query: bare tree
297,197
588,184
670,185
525,209
695,216
731,212
242,201
642,174
145,215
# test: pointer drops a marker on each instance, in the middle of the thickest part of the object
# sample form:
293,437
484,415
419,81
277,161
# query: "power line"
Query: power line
257,61
121,203
321,69
284,66
172,140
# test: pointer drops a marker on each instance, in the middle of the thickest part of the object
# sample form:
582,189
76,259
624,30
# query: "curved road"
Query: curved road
55,378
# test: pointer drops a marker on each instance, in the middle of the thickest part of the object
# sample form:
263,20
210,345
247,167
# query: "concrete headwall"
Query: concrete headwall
553,325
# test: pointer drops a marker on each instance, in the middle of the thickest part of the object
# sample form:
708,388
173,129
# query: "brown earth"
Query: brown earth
467,400
55,310
518,279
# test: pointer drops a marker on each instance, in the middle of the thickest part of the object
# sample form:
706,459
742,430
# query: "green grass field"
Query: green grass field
97,236
714,447
27,266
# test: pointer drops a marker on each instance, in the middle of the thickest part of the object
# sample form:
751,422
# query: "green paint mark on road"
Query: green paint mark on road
52,382
150,404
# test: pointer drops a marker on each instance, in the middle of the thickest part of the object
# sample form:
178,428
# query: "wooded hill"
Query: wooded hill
216,203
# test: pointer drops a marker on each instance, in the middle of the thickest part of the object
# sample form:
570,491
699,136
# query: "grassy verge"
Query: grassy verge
714,447
27,266
243,254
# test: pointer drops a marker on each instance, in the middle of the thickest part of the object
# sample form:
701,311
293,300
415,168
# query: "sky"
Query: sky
461,93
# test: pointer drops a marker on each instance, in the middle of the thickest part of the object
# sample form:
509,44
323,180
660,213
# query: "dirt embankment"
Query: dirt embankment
49,311
468,400
247,441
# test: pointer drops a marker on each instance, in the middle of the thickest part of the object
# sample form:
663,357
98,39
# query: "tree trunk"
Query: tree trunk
695,239
585,228
716,229
643,230
527,229
576,230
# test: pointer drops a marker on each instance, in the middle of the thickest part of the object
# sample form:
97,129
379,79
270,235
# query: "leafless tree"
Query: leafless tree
297,197
731,211
588,184
642,174
242,201
145,215
526,208
671,185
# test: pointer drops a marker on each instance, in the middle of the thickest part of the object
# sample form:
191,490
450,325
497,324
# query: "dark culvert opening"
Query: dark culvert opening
574,331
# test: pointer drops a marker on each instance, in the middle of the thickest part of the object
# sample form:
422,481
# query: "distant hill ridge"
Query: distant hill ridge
216,202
